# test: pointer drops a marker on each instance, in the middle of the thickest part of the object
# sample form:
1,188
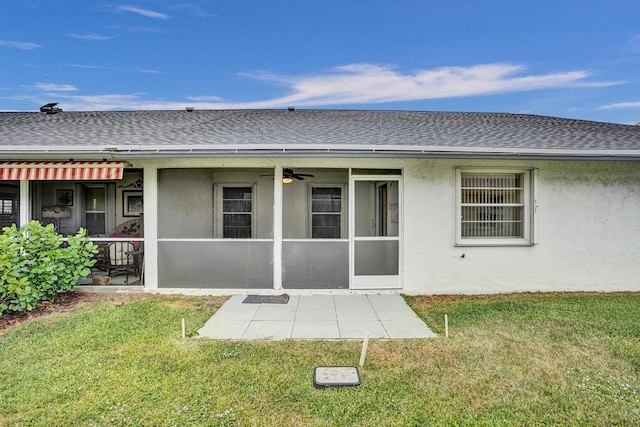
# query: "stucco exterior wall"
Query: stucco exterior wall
588,225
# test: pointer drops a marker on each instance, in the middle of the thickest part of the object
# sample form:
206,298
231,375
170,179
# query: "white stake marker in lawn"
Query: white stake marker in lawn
183,329
446,326
365,345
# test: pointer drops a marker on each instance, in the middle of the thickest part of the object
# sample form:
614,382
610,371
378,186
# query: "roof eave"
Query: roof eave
307,150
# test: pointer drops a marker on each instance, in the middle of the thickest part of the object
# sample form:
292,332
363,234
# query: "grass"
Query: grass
527,359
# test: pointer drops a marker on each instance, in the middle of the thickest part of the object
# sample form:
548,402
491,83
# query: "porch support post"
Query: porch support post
150,196
277,228
25,203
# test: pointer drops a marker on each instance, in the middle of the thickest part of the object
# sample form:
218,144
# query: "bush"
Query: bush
37,265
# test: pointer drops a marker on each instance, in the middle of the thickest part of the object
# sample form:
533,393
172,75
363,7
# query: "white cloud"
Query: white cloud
90,102
192,10
90,37
363,84
144,12
634,43
204,98
97,67
85,66
19,45
369,83
146,71
620,105
53,87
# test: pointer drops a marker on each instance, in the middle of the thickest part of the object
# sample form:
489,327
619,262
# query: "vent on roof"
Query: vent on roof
50,108
190,109
291,108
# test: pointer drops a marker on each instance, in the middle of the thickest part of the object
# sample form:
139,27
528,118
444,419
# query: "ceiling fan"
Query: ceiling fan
289,173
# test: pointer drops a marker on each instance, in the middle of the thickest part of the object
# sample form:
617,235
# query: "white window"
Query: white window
235,211
8,209
7,204
494,207
326,211
95,209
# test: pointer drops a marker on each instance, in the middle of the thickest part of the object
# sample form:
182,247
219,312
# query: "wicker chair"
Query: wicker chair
121,259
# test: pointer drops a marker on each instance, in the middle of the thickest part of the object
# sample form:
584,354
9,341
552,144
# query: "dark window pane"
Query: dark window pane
326,208
326,205
234,220
322,220
236,226
95,223
9,209
326,193
236,205
236,232
95,198
325,232
237,193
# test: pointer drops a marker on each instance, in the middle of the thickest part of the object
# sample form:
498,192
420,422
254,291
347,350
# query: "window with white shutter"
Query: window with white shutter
494,207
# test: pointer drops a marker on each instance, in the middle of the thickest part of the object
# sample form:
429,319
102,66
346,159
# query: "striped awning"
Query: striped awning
62,171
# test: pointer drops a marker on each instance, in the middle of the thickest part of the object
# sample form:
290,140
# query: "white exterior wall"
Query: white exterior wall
588,226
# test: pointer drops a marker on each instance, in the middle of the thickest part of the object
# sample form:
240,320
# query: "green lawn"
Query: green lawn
530,359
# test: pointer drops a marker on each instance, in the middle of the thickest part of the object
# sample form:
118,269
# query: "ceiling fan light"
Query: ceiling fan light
287,180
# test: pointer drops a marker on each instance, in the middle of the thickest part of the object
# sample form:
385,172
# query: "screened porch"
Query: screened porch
104,200
216,228
239,228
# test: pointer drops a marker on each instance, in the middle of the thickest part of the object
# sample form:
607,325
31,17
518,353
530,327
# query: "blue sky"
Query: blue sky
566,58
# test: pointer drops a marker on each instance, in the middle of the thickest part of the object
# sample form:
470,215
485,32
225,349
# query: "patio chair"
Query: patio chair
121,259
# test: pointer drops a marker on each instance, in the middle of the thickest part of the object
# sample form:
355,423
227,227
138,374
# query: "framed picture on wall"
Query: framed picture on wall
132,203
64,197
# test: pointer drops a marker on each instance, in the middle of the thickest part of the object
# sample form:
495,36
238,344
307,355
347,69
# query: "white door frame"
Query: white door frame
373,281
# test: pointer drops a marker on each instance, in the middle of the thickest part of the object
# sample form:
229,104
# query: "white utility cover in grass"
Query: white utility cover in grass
335,376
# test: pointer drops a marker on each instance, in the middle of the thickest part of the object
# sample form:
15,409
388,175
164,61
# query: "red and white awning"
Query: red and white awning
61,171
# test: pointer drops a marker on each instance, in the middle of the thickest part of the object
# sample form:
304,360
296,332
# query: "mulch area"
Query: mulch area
63,303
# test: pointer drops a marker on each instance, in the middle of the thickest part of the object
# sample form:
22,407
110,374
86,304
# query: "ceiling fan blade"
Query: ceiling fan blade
289,173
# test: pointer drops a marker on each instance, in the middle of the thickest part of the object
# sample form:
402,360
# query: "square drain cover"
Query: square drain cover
335,376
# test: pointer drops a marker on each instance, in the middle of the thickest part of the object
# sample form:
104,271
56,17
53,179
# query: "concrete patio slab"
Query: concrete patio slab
350,329
224,328
316,329
330,317
390,307
277,311
354,307
316,307
269,329
414,328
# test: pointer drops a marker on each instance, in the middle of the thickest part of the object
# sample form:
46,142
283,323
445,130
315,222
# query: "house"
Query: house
335,200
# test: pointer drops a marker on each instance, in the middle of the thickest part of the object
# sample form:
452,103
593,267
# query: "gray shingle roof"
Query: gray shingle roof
146,130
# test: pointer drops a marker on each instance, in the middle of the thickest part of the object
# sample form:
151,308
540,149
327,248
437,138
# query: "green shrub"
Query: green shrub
36,264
